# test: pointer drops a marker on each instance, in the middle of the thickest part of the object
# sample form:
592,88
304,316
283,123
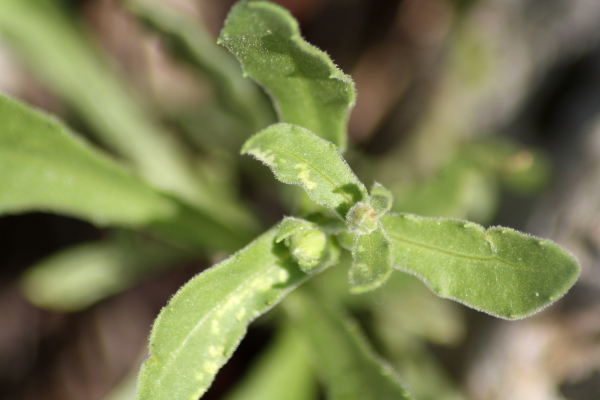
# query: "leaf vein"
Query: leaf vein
454,253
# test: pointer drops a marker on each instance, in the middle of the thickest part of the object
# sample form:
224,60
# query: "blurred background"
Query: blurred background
487,110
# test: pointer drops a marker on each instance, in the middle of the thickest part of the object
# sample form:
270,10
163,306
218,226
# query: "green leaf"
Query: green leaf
194,336
291,225
299,157
76,72
346,363
499,271
381,199
283,373
79,74
77,277
44,167
371,261
305,85
309,244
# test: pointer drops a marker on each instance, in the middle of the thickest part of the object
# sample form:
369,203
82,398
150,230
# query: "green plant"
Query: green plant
499,271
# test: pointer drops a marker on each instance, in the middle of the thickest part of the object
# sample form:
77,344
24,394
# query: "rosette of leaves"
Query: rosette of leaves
44,167
498,270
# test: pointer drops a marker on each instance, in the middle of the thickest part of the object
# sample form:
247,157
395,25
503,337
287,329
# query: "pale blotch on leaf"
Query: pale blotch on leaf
304,176
241,314
267,157
215,351
198,394
211,367
283,275
214,327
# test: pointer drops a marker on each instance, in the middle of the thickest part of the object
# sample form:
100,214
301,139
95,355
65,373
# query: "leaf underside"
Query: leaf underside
499,271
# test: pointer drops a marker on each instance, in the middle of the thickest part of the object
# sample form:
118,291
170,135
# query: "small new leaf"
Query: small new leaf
299,157
305,85
381,199
308,243
371,261
291,225
499,271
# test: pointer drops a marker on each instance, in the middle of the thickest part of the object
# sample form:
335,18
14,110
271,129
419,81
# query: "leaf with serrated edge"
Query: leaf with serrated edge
305,85
371,261
343,357
299,157
499,271
194,336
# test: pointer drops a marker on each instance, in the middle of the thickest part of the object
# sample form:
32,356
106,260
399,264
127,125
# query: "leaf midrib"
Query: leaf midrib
454,253
178,350
348,197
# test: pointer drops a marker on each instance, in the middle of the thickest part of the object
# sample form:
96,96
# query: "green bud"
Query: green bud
309,248
362,219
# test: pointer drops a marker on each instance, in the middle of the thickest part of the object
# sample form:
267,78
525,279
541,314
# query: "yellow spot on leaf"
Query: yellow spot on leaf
241,314
265,156
304,176
198,394
211,367
283,275
216,351
215,328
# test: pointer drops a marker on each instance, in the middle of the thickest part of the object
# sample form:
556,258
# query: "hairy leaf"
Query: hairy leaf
299,157
305,85
194,336
348,366
381,199
500,271
291,225
308,243
371,261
